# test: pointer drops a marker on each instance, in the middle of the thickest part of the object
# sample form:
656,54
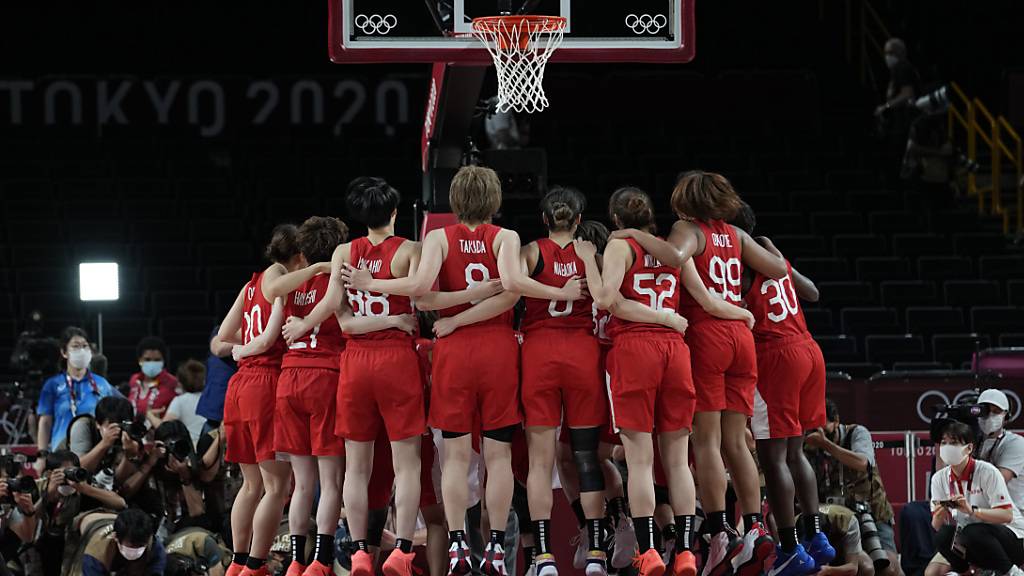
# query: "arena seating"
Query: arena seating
902,284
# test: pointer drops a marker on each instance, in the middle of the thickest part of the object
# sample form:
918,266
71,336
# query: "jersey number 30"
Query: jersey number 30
784,298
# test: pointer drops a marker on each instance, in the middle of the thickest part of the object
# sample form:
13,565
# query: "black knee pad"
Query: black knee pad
375,521
584,443
660,495
502,434
452,435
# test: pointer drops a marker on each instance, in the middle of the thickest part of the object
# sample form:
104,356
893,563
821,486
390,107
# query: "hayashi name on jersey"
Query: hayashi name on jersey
473,246
305,298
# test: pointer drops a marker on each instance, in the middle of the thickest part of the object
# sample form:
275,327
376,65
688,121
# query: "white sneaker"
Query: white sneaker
579,560
625,543
545,564
724,547
1014,571
596,564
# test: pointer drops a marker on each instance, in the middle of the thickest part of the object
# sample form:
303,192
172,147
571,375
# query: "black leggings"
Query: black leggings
989,546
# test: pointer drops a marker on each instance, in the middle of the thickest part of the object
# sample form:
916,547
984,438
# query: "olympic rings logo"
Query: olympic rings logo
376,24
941,399
645,23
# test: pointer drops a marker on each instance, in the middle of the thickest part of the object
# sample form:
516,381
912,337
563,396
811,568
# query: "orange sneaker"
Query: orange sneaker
316,568
362,564
649,563
234,569
261,571
684,564
400,564
295,569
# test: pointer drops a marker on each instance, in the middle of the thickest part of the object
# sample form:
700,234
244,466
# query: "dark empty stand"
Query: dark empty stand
957,349
819,320
882,268
1015,291
995,320
916,245
856,369
1002,267
900,294
838,348
846,293
831,223
855,245
800,246
945,268
864,321
823,269
972,293
886,349
927,321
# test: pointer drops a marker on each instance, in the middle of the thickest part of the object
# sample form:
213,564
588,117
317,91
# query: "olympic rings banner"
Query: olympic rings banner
908,402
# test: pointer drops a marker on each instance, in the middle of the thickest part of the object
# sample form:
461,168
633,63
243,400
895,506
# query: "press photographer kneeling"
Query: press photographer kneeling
976,523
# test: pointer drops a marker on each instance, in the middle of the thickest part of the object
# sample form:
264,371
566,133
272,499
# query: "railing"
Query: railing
1002,142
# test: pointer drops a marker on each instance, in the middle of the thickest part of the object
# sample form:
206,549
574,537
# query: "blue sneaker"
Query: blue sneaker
820,549
796,563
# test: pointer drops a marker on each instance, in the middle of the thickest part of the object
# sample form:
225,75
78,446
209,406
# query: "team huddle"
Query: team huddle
626,339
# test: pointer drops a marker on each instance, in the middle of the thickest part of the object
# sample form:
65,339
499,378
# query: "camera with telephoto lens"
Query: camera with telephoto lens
869,536
75,474
135,430
180,448
965,410
19,485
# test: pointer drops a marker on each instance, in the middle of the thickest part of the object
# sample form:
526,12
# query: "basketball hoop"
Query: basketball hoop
520,47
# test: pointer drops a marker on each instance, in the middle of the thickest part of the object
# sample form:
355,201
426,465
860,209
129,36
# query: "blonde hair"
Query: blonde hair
475,195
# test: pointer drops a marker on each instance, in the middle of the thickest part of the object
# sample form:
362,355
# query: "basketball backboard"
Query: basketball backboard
367,31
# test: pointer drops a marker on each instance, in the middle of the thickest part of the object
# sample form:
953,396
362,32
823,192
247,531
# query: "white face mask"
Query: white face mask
891,61
992,424
953,454
65,490
79,358
131,553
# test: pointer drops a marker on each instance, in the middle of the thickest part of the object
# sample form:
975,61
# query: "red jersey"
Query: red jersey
719,268
555,266
321,346
650,283
776,309
256,311
471,260
377,259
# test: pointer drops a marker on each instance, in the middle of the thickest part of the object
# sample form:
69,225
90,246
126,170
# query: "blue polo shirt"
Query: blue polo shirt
55,400
218,372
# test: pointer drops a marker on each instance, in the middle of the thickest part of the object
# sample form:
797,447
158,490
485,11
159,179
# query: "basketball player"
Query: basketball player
561,374
789,400
648,365
249,405
304,415
380,381
724,362
476,358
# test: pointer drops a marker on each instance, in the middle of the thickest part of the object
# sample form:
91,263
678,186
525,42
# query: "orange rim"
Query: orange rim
502,27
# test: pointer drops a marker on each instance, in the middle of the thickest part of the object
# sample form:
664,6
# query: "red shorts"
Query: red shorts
562,370
724,366
790,396
379,385
304,413
382,478
249,415
649,382
475,378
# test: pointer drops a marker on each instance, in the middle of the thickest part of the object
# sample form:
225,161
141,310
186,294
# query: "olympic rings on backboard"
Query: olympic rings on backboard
375,23
645,23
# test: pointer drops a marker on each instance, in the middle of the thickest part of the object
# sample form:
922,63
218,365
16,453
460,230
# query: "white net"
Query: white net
520,47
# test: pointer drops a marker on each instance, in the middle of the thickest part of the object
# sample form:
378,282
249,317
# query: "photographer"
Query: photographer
843,456
1002,449
841,526
975,521
66,492
99,439
178,477
70,393
18,495
123,544
195,551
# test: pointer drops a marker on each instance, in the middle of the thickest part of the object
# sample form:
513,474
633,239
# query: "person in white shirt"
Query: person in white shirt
976,523
192,377
1001,448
